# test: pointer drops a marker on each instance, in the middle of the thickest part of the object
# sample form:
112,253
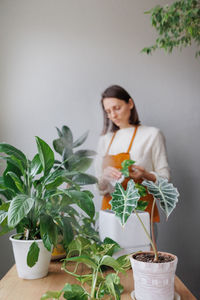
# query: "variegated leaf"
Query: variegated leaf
124,202
165,192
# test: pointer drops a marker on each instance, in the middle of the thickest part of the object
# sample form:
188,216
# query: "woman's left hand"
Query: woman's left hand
138,172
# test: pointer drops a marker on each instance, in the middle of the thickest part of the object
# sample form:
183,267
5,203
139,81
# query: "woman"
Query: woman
123,137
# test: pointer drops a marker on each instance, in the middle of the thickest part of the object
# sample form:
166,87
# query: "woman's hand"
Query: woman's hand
138,172
111,173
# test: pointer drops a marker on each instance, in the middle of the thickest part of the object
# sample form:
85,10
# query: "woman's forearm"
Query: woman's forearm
149,176
139,172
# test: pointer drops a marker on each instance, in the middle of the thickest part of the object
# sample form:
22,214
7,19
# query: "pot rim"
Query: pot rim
110,211
175,258
11,238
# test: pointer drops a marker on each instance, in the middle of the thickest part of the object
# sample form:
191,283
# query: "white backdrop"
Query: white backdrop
57,56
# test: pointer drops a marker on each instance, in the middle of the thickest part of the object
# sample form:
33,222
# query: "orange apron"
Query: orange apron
116,161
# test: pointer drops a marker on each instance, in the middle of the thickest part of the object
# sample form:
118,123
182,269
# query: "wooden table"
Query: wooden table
14,288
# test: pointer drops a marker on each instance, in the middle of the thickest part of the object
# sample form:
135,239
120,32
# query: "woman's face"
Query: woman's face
118,111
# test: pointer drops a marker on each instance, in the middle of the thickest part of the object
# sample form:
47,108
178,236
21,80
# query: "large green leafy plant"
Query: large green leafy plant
33,203
74,161
177,25
124,202
96,284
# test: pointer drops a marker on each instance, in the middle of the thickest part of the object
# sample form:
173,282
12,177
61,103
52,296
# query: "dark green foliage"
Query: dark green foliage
78,161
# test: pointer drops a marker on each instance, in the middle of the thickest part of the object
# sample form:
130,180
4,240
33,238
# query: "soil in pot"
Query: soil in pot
149,257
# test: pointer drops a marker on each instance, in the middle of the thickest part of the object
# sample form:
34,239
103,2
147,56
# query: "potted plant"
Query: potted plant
153,271
33,203
131,237
94,258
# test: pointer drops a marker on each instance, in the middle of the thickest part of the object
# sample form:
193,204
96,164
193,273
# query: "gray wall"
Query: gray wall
58,56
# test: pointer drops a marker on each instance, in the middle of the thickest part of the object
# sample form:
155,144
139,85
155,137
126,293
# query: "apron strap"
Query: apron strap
131,143
111,142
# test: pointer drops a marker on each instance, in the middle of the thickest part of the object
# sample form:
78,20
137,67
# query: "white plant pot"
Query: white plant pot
131,237
20,249
154,281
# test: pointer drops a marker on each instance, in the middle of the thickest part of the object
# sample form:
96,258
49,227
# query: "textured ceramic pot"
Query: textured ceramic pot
20,249
154,281
131,237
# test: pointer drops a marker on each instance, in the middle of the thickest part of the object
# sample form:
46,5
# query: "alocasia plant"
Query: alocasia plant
124,202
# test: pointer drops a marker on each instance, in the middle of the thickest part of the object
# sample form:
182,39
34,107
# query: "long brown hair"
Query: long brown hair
116,91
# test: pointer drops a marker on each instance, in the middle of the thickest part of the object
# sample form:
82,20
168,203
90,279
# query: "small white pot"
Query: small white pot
131,237
154,281
20,249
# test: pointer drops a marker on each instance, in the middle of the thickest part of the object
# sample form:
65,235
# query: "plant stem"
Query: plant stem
94,280
152,230
154,249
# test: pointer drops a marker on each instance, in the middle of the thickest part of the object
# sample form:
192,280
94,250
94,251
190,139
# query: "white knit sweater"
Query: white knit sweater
148,149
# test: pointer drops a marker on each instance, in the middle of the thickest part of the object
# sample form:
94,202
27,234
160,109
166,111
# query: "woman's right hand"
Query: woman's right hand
111,173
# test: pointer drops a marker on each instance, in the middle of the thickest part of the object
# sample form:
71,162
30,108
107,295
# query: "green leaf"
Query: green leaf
46,241
84,202
124,202
64,142
5,206
12,151
17,165
84,179
75,245
112,280
142,205
55,183
74,292
36,165
48,227
125,166
7,179
124,262
141,189
46,155
19,208
67,134
85,260
80,165
110,262
114,247
51,295
17,181
81,140
67,155
84,153
68,234
3,215
59,173
127,163
59,145
33,254
165,192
